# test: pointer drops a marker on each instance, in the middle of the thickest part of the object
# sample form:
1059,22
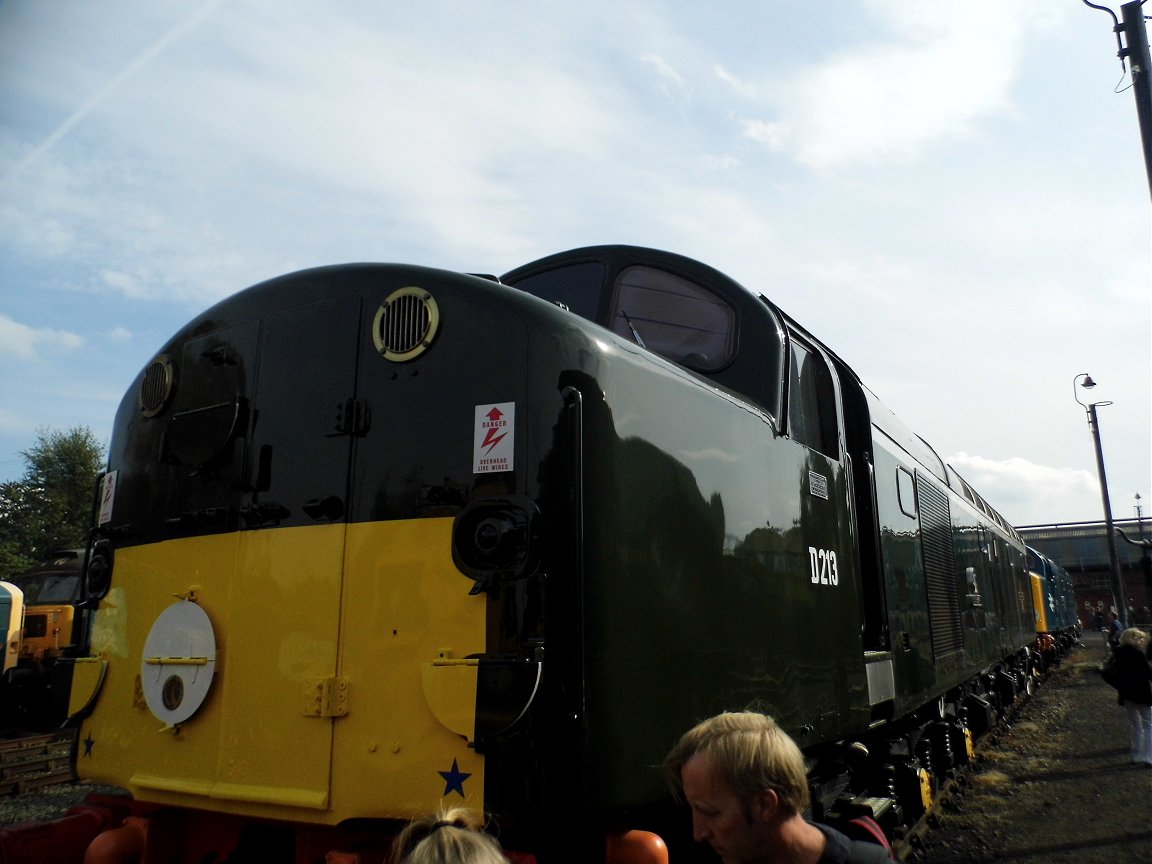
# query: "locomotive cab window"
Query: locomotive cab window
812,401
674,317
59,588
576,287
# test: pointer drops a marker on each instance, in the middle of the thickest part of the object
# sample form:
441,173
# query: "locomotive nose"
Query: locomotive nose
496,537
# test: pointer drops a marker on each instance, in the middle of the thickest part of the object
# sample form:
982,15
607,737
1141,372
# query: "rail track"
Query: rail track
29,762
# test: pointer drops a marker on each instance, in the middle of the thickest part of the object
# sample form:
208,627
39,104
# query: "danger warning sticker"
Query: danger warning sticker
107,497
494,438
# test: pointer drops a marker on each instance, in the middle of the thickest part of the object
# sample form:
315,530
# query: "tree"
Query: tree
51,506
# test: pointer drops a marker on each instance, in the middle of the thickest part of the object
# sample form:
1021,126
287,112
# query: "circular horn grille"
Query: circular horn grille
156,387
405,324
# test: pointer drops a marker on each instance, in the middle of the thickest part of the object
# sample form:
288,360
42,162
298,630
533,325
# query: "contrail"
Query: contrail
127,72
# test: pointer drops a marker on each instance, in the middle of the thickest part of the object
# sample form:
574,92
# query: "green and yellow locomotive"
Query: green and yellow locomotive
375,538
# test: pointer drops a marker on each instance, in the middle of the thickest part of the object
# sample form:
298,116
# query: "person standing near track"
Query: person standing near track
1131,675
1114,629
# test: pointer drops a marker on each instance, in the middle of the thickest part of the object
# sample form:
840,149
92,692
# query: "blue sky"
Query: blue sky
951,195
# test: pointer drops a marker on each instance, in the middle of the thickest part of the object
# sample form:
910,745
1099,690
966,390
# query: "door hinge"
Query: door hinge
326,697
353,417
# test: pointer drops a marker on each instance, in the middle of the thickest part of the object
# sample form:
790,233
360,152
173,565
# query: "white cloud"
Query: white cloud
20,340
670,81
743,88
124,283
455,146
941,67
722,162
125,73
1023,490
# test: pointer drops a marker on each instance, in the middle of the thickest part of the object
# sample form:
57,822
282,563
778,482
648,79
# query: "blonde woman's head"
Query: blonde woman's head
452,836
1135,637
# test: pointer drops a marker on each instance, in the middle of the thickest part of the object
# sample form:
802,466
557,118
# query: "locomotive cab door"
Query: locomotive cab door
233,492
280,684
827,534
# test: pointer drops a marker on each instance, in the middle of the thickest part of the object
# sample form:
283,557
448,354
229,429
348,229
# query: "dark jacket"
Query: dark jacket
1133,675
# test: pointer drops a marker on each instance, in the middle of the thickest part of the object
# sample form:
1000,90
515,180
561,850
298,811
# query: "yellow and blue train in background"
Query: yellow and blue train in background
1054,603
45,634
375,538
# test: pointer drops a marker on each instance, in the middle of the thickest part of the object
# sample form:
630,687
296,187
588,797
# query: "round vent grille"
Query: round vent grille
405,324
156,388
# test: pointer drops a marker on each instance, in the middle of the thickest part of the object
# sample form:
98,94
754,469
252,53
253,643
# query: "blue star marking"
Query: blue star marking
454,779
88,742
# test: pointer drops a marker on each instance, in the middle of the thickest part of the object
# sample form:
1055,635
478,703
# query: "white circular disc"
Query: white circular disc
179,662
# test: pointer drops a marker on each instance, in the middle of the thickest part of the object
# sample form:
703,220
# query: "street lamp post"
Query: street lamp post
1119,598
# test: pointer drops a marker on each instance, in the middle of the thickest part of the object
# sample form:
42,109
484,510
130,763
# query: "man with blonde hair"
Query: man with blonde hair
744,779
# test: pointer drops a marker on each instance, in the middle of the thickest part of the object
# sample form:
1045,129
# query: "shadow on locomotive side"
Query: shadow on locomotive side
374,537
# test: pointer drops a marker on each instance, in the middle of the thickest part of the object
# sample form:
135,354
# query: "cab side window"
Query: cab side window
673,316
576,287
812,401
